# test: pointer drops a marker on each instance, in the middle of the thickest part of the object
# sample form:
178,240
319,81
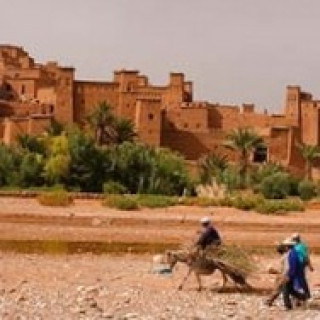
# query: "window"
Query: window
23,89
150,116
260,154
185,126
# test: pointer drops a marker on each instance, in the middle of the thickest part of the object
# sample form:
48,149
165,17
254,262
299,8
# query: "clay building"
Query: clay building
31,94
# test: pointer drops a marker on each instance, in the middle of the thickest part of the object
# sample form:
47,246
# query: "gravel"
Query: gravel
107,287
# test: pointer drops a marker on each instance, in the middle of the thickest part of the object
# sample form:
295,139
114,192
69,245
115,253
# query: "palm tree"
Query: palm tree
309,153
124,130
212,165
102,120
110,129
244,141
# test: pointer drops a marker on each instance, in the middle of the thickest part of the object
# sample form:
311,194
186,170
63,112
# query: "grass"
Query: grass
57,198
279,207
121,202
156,201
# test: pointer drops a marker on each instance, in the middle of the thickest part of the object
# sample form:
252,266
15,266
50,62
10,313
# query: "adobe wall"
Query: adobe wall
187,117
13,127
87,96
148,121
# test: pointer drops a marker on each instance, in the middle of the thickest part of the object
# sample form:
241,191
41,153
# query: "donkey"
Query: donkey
204,266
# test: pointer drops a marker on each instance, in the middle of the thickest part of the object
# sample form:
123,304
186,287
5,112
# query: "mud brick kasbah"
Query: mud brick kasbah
31,94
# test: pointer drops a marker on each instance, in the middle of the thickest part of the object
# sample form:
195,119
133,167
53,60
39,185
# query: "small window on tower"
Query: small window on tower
150,116
23,89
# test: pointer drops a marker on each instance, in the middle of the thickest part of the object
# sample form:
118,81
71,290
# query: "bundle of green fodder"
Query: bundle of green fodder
233,256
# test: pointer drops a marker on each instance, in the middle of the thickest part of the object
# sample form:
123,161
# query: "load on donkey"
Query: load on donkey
208,255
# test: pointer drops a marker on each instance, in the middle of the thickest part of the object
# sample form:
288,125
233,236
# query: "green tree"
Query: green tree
88,163
124,130
143,169
212,165
110,129
57,166
9,165
102,121
31,143
244,141
310,154
31,170
55,129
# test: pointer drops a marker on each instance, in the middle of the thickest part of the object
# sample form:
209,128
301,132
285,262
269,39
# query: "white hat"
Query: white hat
205,220
288,242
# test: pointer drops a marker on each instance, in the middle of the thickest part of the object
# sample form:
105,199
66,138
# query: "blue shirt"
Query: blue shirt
295,270
302,251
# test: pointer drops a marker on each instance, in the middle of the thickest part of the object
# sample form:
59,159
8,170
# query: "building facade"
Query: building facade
31,94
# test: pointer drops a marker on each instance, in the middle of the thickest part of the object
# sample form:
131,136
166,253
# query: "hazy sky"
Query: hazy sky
234,50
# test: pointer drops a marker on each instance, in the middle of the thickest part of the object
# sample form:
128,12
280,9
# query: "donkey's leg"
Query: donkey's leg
185,279
224,281
199,281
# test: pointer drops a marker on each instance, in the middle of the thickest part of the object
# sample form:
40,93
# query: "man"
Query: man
303,254
209,236
293,276
281,274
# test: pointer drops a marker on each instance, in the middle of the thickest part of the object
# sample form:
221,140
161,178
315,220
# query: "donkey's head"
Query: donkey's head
172,258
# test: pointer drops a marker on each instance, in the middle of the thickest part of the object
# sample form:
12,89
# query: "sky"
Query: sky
235,51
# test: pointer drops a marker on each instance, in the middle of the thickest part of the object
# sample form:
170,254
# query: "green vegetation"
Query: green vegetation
114,187
156,201
278,207
108,159
307,190
310,154
121,202
244,141
59,198
276,186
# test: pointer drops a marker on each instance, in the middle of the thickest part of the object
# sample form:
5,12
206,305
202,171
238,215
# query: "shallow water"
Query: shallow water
75,247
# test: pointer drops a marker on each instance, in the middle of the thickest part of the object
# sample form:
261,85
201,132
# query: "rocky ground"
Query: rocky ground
123,287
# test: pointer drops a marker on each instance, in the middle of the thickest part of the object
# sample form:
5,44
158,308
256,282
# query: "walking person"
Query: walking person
304,257
281,274
293,278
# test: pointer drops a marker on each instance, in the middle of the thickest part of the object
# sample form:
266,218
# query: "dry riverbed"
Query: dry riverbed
122,287
103,286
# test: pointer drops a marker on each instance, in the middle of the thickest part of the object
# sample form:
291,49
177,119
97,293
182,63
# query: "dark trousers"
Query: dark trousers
305,286
289,290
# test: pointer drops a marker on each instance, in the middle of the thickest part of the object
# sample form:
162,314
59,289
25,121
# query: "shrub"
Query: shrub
307,190
226,202
147,170
31,169
199,201
230,177
121,202
246,203
276,186
57,198
114,187
156,201
279,206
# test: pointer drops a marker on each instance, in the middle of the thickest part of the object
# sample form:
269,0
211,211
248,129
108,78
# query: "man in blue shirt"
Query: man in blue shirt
303,254
294,276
